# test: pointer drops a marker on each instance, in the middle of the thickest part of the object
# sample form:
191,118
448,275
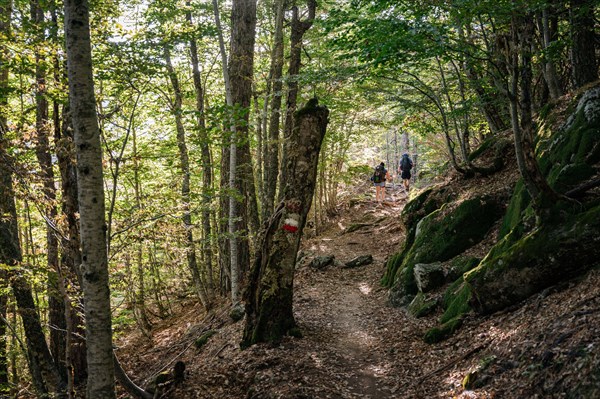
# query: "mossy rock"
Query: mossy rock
519,202
203,339
443,235
391,267
456,301
438,334
571,176
483,147
460,265
565,157
422,306
422,205
398,294
514,269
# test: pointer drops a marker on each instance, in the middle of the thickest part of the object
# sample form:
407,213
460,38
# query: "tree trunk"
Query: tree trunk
547,38
269,295
5,181
232,260
140,296
42,150
207,172
272,156
241,66
71,252
583,51
298,29
176,109
100,383
522,114
10,252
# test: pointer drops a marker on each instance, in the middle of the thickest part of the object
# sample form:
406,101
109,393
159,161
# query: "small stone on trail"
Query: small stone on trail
321,262
358,261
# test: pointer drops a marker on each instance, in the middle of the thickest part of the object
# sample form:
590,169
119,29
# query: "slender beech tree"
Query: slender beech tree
184,164
206,159
55,298
520,93
271,161
230,264
269,295
100,383
547,28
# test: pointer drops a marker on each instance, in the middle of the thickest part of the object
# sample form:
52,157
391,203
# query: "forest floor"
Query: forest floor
355,346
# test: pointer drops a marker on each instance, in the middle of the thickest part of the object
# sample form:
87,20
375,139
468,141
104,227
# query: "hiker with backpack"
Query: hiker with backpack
404,167
379,177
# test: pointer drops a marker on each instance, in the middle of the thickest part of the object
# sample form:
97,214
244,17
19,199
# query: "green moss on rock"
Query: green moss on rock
514,269
571,176
514,214
203,339
483,147
438,334
456,302
422,305
460,265
391,267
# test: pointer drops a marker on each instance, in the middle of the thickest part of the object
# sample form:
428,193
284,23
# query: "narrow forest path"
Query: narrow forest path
344,308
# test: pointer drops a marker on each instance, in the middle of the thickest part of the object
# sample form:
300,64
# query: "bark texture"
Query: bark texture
42,150
100,383
271,169
583,50
268,298
5,181
522,115
299,27
241,66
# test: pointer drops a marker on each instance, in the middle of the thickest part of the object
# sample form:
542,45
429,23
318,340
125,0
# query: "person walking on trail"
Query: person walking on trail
379,177
404,168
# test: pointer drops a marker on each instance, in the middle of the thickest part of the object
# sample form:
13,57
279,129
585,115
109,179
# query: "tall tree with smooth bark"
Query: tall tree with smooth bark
101,375
207,172
184,165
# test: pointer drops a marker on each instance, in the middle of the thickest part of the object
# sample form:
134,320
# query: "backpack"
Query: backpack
406,164
379,175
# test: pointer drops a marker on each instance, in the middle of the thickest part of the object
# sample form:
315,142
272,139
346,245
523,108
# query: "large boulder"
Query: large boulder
429,276
440,236
517,268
